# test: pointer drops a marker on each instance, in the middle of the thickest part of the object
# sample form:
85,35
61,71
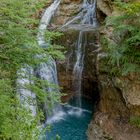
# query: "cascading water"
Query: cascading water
27,98
90,16
45,20
87,17
67,127
78,69
47,71
76,119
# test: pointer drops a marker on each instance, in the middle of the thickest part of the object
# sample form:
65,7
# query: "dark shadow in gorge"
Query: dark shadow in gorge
89,84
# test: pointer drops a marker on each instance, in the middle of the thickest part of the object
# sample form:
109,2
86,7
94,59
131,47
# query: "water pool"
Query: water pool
72,123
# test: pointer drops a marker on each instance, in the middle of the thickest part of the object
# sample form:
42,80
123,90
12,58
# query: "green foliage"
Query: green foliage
57,137
15,36
124,52
16,122
135,121
18,46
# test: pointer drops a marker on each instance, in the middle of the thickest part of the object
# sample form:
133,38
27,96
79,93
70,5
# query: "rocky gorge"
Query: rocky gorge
116,99
70,70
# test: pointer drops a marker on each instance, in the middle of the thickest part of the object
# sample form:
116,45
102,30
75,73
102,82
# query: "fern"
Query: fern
124,53
18,46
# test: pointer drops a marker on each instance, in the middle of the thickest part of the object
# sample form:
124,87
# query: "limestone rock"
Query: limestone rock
105,6
102,127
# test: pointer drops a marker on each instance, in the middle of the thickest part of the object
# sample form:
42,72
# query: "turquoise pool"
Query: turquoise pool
72,123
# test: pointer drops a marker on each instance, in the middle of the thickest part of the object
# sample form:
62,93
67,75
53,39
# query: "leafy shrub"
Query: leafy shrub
124,51
18,46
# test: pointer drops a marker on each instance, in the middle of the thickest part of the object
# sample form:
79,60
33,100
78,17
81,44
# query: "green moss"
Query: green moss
135,121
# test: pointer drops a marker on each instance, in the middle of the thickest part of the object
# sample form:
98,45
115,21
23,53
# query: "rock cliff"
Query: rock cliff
117,98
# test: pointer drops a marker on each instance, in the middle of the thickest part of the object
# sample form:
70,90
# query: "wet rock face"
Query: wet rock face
119,96
89,84
119,101
70,8
66,10
105,7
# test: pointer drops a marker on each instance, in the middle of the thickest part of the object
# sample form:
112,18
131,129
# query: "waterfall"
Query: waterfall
44,71
90,16
86,17
45,20
78,69
27,98
47,71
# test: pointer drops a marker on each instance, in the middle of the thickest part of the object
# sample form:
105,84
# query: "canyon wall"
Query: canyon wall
117,98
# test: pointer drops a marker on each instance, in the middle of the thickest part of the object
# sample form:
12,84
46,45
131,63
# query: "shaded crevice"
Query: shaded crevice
89,85
101,16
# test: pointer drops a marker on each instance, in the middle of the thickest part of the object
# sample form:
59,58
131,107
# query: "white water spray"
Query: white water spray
47,71
27,98
86,17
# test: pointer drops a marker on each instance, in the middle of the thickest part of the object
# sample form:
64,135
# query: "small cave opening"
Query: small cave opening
90,91
101,16
90,85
